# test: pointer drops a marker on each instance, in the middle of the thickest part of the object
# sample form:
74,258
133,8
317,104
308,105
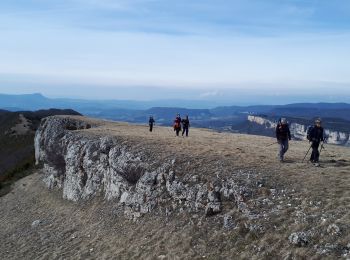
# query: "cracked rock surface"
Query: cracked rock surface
84,165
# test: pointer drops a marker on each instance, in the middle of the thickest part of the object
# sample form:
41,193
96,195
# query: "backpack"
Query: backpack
176,125
308,132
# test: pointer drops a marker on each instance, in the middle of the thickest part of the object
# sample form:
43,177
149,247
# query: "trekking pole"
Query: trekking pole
322,147
307,153
272,144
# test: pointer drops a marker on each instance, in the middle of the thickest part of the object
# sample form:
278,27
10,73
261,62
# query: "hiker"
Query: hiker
185,126
315,135
151,123
283,137
177,124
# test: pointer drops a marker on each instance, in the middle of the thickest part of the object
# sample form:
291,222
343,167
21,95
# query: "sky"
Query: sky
132,49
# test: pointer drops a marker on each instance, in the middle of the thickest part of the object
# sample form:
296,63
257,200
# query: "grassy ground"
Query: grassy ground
25,168
16,152
310,200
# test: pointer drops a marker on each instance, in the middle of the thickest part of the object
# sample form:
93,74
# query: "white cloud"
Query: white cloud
125,50
168,60
103,4
210,94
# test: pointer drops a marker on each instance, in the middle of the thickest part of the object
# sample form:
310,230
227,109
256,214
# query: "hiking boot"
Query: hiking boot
317,164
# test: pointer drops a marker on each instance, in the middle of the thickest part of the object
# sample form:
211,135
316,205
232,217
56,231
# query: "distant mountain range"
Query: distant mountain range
38,101
223,118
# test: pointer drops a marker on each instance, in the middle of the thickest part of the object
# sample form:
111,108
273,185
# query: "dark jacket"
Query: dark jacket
151,121
185,123
316,134
283,132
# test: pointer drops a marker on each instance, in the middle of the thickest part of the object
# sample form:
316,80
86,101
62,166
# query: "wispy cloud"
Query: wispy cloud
210,94
199,43
204,17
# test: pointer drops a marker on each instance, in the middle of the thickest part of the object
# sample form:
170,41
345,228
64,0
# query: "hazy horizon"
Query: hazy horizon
244,51
208,100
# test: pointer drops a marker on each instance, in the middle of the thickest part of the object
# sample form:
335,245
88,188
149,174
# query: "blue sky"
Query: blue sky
96,48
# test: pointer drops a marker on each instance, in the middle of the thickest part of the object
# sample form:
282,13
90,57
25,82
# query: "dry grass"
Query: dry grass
314,199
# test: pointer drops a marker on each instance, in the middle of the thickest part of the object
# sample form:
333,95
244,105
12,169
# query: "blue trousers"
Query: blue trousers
284,145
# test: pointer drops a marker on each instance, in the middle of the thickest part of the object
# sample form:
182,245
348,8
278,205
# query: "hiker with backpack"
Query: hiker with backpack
151,122
315,135
177,124
185,126
283,137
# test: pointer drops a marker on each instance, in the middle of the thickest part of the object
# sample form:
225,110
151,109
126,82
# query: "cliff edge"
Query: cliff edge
131,194
87,158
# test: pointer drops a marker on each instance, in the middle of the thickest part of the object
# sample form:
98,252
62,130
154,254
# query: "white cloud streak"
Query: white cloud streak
229,44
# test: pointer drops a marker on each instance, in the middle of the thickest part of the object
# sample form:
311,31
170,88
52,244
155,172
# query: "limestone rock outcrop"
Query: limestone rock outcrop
299,131
84,165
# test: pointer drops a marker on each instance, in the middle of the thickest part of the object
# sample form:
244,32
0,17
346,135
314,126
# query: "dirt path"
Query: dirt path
22,127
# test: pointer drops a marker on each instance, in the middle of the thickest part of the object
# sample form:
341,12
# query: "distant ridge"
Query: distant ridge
37,101
221,118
